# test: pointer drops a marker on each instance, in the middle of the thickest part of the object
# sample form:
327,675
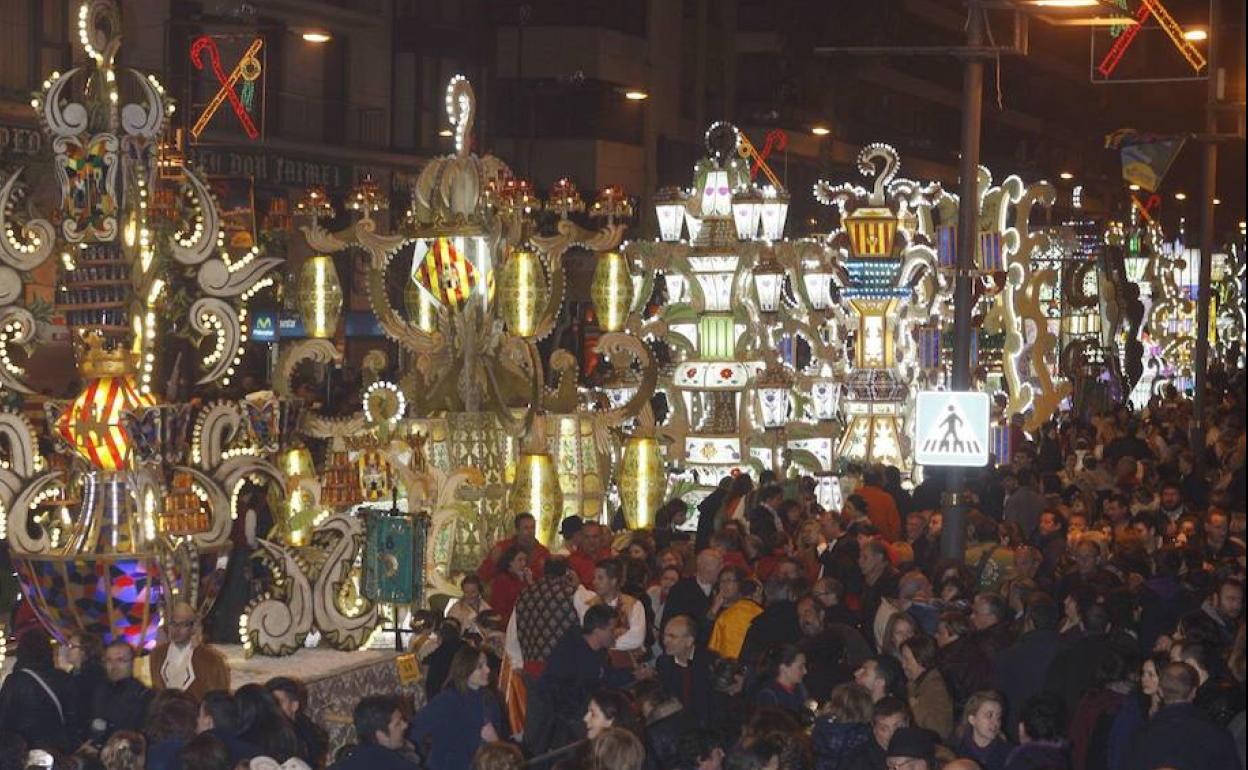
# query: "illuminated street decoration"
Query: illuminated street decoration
1014,352
141,509
248,69
873,249
1172,28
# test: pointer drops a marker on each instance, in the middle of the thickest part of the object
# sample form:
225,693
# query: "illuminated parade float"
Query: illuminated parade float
725,348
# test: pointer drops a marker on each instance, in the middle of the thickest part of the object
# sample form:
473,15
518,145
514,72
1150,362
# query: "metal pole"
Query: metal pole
1210,186
953,534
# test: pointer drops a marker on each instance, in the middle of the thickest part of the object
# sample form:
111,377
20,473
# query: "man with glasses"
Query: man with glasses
120,702
185,663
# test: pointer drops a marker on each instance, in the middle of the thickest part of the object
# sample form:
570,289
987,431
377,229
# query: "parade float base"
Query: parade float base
335,680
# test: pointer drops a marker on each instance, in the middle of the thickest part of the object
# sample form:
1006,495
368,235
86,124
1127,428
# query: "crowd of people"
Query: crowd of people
93,713
1095,622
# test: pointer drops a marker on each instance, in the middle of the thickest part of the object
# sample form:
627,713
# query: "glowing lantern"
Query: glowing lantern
825,396
93,424
642,481
320,297
536,491
522,289
669,205
774,386
774,212
817,280
422,309
769,284
612,291
298,462
871,232
747,210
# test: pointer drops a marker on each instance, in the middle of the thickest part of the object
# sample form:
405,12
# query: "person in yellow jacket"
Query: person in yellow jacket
738,601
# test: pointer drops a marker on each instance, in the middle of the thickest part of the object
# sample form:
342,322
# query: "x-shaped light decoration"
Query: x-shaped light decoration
248,68
1169,26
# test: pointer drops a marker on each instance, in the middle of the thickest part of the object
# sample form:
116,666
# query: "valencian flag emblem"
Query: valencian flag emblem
446,271
1145,157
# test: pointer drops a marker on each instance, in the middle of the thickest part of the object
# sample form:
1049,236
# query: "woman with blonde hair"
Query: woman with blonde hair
979,734
616,749
498,756
125,750
843,724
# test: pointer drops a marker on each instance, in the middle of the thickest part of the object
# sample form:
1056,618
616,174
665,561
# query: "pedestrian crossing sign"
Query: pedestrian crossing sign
951,428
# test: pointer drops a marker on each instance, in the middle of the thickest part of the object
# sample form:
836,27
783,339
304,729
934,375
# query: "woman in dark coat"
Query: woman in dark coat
38,701
842,726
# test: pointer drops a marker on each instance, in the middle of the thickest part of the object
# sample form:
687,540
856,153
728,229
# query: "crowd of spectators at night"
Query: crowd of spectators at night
1095,622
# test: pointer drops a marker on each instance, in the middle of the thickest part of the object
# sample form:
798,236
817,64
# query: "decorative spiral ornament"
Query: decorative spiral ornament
461,108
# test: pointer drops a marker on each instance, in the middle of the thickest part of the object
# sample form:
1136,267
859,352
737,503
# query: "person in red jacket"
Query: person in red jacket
525,539
513,577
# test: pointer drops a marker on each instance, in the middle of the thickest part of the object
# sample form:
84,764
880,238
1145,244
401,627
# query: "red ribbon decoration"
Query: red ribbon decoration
777,140
227,86
1153,203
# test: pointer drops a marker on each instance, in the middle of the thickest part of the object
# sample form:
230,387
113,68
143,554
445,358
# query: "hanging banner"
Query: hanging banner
1145,157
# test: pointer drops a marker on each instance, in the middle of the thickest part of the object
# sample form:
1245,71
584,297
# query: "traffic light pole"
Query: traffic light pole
953,530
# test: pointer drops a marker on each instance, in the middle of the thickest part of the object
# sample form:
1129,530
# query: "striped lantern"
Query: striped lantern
929,347
947,245
93,423
999,442
642,481
523,290
612,291
872,232
320,297
991,254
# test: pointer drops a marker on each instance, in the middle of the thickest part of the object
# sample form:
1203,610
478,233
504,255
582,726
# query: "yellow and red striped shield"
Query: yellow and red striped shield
92,424
446,271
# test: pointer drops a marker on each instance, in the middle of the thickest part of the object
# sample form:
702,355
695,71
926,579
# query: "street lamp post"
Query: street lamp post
953,537
1201,362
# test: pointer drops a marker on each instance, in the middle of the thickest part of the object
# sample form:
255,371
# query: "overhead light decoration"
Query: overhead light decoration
1196,35
636,95
317,36
820,130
